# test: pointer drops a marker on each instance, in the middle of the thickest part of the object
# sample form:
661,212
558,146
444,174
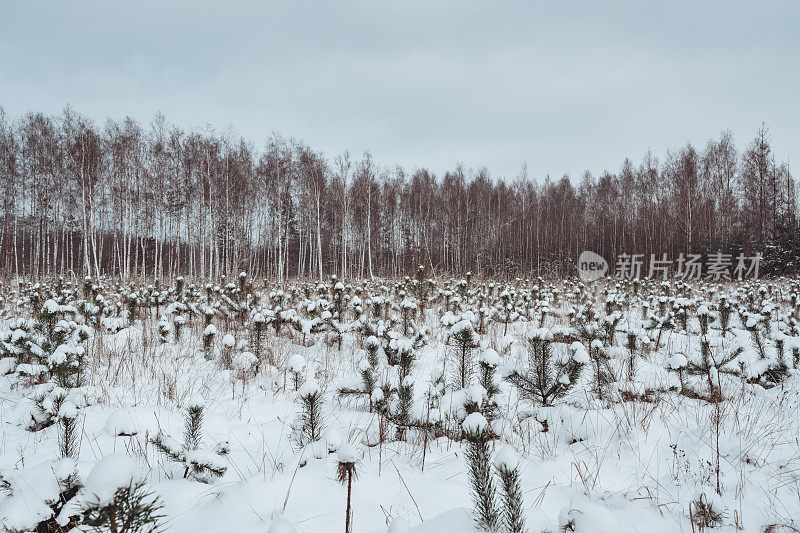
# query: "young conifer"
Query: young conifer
506,462
478,436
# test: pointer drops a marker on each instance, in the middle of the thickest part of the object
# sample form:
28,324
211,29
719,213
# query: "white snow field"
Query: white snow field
623,406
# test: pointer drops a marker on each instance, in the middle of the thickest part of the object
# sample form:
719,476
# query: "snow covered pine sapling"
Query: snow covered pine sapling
724,312
506,313
401,353
163,330
603,375
346,459
308,427
368,371
177,323
752,324
209,333
228,344
201,464
633,341
506,462
709,366
408,308
546,377
661,322
115,499
478,435
259,327
488,361
678,363
297,365
464,340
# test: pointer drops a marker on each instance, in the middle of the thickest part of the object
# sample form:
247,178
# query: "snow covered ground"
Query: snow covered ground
706,416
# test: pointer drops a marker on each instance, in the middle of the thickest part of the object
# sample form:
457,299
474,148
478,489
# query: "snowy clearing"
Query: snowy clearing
248,406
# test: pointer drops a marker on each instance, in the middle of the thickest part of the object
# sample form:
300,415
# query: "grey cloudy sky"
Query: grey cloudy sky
562,86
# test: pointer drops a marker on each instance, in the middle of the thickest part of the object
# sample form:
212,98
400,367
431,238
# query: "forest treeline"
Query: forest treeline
131,200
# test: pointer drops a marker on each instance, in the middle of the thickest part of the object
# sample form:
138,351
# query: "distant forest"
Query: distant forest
129,200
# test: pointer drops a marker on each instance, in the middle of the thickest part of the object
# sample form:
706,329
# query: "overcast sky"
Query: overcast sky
561,86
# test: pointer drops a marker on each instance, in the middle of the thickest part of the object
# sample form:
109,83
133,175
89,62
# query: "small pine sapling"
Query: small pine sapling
506,463
662,323
209,333
177,325
478,436
779,370
704,319
483,313
180,284
133,307
405,387
228,345
710,367
68,434
201,464
488,361
193,425
506,313
408,308
346,473
133,509
114,500
208,315
308,427
752,325
633,342
724,310
464,341
259,327
297,365
681,314
546,378
163,330
609,324
678,363
543,315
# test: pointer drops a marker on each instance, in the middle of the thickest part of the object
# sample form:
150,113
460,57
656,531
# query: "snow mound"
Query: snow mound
111,473
475,423
588,518
281,525
121,422
506,458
